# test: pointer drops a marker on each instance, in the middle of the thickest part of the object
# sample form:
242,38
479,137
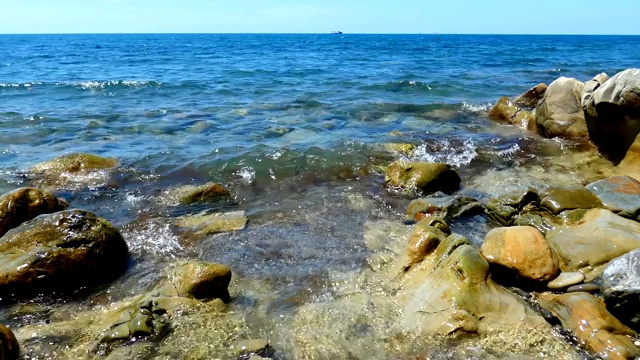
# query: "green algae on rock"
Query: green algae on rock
444,206
61,251
422,177
24,204
73,168
190,194
559,199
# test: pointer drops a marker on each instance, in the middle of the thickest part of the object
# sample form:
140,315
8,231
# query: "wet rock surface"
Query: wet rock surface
506,111
532,96
443,206
630,164
620,194
61,251
566,279
206,223
588,318
24,204
9,347
191,194
620,287
557,199
80,168
598,238
422,177
523,250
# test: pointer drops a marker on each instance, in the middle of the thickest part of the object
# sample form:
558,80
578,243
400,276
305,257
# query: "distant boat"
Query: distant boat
336,32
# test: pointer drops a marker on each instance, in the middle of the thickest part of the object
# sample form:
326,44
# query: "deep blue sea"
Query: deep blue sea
293,124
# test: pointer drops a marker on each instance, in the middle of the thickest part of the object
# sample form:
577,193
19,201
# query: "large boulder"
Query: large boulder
613,114
620,287
598,238
559,113
522,250
620,194
422,177
25,204
61,251
596,328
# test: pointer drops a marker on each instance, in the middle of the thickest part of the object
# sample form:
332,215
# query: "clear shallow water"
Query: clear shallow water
293,125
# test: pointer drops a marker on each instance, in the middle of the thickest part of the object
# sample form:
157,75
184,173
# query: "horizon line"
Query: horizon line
303,33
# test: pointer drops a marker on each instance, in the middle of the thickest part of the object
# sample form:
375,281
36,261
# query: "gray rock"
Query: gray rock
586,98
565,280
620,287
559,113
588,288
613,114
620,194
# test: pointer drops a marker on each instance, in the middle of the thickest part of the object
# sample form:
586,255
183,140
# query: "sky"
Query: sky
321,16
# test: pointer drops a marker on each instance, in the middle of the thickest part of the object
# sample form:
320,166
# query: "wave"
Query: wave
400,86
111,84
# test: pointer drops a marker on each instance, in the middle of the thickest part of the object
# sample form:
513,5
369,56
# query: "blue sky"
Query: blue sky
321,16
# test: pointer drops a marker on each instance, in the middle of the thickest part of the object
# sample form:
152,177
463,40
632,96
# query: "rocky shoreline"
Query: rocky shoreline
557,257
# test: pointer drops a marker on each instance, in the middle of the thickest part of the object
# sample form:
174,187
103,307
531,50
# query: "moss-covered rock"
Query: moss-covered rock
25,204
422,177
60,251
444,206
206,224
559,199
79,168
190,194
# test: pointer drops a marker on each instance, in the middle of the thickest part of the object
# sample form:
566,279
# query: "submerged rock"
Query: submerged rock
401,148
201,280
77,167
247,349
598,238
443,206
24,204
422,176
613,114
588,318
620,194
189,194
559,113
61,251
9,347
523,250
620,287
206,224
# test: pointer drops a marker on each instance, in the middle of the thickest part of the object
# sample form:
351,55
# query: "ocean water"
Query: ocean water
295,126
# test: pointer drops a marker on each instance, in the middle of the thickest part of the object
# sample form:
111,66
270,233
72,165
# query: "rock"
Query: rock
558,199
613,114
630,164
443,206
77,167
422,176
530,98
201,280
588,318
620,287
450,291
61,251
24,204
189,194
401,148
146,320
586,98
559,113
425,237
505,111
620,194
523,250
566,279
588,246
505,208
206,224
588,288
9,347
247,348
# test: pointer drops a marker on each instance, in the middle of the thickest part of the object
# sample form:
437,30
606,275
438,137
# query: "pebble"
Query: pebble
253,346
590,288
566,279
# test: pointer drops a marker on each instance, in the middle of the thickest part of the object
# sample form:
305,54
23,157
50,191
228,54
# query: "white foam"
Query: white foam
247,174
475,108
450,154
154,238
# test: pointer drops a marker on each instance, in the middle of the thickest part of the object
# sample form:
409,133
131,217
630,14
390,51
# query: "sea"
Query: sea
297,127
